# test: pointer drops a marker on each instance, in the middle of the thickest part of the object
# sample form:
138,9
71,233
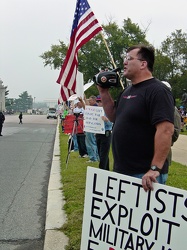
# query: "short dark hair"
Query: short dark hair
146,53
93,97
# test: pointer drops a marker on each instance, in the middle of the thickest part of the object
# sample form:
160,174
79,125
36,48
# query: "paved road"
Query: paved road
25,161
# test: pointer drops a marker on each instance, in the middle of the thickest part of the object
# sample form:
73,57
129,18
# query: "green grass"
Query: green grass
177,176
184,133
74,180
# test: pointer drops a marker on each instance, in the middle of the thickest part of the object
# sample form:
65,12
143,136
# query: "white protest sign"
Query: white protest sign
92,119
119,214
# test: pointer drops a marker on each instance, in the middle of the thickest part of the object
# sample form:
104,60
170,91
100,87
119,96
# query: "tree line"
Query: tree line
23,103
170,58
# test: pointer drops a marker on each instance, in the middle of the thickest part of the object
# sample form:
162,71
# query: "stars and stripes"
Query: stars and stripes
85,27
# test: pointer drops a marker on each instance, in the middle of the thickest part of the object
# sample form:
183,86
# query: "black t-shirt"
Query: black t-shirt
139,109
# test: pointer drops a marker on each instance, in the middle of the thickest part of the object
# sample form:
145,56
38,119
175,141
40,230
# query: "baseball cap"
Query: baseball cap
76,101
98,98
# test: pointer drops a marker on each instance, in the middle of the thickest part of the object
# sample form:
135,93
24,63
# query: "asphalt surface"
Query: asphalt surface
26,152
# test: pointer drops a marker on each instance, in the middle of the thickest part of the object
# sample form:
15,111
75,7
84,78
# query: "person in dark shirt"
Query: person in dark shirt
184,98
104,140
143,120
20,118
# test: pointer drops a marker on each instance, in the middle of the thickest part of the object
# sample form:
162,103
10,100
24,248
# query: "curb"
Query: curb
55,215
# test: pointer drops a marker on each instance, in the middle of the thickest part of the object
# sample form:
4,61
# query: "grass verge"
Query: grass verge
74,180
184,132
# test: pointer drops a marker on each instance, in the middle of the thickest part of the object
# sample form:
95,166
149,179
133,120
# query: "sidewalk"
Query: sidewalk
179,150
55,215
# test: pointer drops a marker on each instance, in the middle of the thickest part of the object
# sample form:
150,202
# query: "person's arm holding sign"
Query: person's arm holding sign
162,144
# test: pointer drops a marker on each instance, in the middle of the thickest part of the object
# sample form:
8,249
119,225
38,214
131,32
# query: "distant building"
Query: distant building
2,96
51,103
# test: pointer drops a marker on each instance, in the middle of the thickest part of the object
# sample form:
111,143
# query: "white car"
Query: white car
52,114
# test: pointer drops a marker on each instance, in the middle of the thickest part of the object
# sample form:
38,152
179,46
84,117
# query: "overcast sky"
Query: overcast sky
29,27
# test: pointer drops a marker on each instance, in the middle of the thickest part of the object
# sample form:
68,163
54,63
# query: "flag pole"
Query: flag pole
111,57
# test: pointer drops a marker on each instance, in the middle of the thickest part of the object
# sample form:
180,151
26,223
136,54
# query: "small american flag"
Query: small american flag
85,27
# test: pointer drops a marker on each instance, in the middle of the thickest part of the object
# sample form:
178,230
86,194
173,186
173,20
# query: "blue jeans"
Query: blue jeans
76,147
91,146
162,178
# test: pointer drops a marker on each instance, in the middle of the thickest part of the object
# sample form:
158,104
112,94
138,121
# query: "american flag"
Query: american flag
85,27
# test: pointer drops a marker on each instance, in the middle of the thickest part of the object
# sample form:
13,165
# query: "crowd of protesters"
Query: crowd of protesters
94,147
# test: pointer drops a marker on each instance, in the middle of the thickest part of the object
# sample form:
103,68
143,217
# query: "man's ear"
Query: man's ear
143,64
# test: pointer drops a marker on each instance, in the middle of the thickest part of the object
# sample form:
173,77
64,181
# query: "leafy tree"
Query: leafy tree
162,66
25,101
175,48
55,56
9,103
6,98
93,55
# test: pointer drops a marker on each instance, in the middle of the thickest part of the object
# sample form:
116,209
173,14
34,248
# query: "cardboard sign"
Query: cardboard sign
92,120
119,214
